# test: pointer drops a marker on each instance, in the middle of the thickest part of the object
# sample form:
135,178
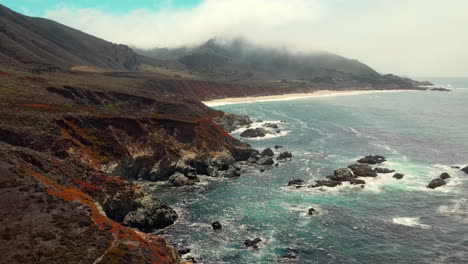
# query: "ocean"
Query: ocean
422,134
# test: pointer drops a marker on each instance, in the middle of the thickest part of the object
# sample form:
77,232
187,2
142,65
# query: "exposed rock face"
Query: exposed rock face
436,183
295,182
398,176
153,215
267,152
271,125
444,176
284,155
343,174
362,170
372,159
383,170
253,133
465,169
311,211
266,160
231,122
326,183
252,242
178,179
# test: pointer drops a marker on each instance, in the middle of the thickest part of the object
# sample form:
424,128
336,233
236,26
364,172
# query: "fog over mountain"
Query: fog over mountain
416,38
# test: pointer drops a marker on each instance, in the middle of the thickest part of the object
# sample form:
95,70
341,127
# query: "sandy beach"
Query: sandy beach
292,96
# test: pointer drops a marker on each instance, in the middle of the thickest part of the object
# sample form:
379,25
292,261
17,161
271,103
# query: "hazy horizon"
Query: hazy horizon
415,39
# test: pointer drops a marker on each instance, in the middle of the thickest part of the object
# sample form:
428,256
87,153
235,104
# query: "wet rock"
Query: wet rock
357,181
455,167
295,182
270,125
383,170
259,121
439,89
231,122
436,183
183,251
178,179
252,242
284,155
232,172
254,159
267,152
327,183
362,170
289,256
342,174
444,176
398,176
152,215
465,169
283,121
253,133
278,146
278,131
372,159
265,161
216,225
311,211
262,170
276,164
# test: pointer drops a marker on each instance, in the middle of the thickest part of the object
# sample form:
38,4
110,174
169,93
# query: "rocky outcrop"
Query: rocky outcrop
152,215
178,179
231,122
383,170
372,159
296,182
465,169
326,183
436,183
444,176
253,133
362,170
216,225
267,152
252,242
398,176
284,155
266,160
343,174
271,125
439,89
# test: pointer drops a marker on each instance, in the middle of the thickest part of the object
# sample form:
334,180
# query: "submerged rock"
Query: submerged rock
383,170
295,182
444,176
284,155
252,242
267,152
436,183
278,146
362,170
398,176
253,133
327,183
372,159
289,256
216,225
271,125
267,160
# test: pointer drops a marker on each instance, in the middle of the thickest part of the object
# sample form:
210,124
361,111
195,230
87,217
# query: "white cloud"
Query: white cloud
418,37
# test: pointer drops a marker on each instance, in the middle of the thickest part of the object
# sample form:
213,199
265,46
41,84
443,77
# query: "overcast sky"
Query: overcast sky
417,38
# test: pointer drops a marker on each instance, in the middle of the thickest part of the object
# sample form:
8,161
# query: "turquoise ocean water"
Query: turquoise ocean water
388,221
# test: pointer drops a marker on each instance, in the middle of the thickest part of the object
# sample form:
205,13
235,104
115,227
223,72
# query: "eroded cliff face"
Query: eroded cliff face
66,175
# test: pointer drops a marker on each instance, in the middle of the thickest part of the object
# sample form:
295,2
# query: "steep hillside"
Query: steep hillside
40,43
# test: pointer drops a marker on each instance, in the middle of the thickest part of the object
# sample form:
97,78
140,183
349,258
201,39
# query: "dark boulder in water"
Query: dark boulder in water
372,159
465,169
296,181
267,152
271,125
341,174
289,256
311,211
362,170
232,172
183,251
327,183
444,176
383,170
216,225
253,133
455,167
439,89
252,242
284,155
436,183
278,146
265,161
398,176
357,181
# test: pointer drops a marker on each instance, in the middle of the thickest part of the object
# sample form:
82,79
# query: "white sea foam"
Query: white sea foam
409,221
458,209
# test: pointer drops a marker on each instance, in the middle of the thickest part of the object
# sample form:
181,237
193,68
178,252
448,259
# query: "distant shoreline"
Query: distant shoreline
292,96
